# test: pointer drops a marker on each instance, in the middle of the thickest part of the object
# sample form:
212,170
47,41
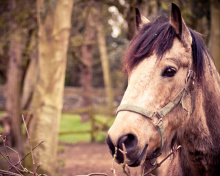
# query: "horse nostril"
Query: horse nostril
110,145
130,141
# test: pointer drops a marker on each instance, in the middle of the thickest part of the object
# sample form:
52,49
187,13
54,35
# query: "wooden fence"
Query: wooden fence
72,104
94,130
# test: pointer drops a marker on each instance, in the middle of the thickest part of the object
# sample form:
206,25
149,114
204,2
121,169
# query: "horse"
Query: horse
172,100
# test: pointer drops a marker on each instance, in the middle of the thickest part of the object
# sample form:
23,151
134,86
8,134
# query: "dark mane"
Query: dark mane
158,36
199,51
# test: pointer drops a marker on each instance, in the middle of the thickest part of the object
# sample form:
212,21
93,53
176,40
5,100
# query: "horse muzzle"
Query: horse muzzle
126,150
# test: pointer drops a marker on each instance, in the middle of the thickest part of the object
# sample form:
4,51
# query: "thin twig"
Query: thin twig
6,156
113,161
3,172
19,161
104,174
26,155
13,166
124,165
31,150
159,164
97,174
6,153
9,161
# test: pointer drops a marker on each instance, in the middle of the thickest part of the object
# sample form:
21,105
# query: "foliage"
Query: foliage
115,46
196,13
24,14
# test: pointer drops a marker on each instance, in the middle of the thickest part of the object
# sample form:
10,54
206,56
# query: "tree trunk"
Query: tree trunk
105,62
87,55
130,18
30,75
29,83
214,42
14,84
54,22
14,78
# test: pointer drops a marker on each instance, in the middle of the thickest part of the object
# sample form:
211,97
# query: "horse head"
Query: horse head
158,97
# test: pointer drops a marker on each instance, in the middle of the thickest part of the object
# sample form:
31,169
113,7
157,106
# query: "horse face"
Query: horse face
152,84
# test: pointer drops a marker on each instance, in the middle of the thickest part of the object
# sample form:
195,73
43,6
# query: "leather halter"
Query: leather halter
162,112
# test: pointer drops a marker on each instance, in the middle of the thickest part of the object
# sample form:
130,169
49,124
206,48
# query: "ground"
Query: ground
81,159
86,158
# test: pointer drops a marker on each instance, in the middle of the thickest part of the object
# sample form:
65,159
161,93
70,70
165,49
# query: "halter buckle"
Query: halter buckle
158,117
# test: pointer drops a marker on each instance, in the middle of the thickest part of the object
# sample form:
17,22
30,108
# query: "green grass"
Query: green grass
72,123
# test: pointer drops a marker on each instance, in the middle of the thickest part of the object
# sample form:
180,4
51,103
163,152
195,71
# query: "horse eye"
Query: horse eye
169,72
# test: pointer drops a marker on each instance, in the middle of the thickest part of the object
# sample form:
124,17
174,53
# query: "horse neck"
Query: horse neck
207,101
200,136
211,99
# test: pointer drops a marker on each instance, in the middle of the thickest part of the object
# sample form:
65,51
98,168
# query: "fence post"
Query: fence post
92,118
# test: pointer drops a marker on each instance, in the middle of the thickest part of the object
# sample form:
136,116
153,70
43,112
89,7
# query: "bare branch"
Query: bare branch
27,154
19,161
94,174
31,150
3,172
6,156
113,161
14,166
124,165
159,164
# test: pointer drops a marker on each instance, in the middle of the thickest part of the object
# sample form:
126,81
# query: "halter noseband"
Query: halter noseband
161,113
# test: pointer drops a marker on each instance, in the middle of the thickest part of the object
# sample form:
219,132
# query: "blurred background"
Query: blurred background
60,67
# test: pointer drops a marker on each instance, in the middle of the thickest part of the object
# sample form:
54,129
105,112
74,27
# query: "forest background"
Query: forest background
48,44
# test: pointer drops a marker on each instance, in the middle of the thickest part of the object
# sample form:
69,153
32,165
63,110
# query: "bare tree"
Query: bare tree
87,56
104,57
54,23
18,54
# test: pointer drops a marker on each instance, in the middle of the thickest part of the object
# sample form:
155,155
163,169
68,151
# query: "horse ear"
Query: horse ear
140,19
178,24
176,19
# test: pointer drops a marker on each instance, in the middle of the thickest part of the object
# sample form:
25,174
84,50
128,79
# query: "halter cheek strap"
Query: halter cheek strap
159,114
